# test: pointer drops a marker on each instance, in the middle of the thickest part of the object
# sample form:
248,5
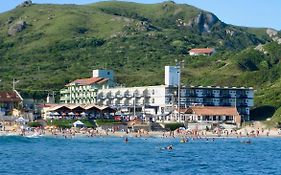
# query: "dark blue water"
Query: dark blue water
20,155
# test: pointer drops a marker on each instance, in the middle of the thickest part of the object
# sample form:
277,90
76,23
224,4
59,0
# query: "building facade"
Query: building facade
9,101
240,97
172,75
133,99
205,114
84,91
155,100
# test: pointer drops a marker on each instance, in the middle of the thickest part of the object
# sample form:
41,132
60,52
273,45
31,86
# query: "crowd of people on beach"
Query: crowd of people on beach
184,135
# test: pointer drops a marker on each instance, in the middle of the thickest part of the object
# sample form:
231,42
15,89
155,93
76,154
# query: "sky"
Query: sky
249,13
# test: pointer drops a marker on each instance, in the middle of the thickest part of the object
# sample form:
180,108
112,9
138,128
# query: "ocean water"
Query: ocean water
111,155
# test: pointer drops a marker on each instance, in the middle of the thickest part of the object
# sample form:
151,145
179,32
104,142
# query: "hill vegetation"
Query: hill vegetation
46,46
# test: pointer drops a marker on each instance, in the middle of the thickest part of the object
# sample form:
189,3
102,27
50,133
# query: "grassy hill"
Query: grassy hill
58,43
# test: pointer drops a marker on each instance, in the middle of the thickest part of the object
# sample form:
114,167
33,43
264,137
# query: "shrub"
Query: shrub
173,126
34,124
107,122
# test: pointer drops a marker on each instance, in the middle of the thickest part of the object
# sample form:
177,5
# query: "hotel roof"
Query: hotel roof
88,81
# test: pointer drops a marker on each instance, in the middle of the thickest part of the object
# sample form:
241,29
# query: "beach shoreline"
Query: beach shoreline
246,132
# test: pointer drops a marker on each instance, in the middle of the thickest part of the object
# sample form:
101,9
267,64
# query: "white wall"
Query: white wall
103,73
171,76
156,95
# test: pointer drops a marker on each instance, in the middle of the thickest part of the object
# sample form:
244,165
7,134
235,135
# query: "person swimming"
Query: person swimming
126,139
183,140
170,147
247,142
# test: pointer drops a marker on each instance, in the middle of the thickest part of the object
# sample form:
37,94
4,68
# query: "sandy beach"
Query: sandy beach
256,130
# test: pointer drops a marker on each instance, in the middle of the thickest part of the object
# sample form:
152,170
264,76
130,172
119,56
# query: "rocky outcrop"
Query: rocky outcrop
26,3
273,34
144,26
168,5
16,27
10,20
204,22
230,32
261,49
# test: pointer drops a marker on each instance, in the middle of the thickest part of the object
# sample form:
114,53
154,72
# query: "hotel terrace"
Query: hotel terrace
56,111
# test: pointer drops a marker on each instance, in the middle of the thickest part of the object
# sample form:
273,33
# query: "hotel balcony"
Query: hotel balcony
170,94
225,95
119,96
242,96
93,89
64,91
226,104
146,94
208,104
191,95
63,98
209,95
110,96
242,105
138,95
127,95
102,96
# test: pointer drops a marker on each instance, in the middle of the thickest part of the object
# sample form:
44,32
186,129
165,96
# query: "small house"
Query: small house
202,51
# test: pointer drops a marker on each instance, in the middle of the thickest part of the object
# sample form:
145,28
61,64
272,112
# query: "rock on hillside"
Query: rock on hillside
204,22
273,34
16,27
26,3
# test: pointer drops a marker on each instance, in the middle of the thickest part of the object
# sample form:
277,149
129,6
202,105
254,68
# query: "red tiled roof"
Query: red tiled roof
211,110
202,50
89,81
9,97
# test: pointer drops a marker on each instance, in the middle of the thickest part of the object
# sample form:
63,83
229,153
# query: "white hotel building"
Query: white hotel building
156,100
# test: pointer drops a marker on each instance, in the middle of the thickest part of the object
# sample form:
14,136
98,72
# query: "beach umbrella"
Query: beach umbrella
56,113
21,120
71,113
78,123
181,128
84,113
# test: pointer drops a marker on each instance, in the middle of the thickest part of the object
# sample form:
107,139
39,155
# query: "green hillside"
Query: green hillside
46,46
